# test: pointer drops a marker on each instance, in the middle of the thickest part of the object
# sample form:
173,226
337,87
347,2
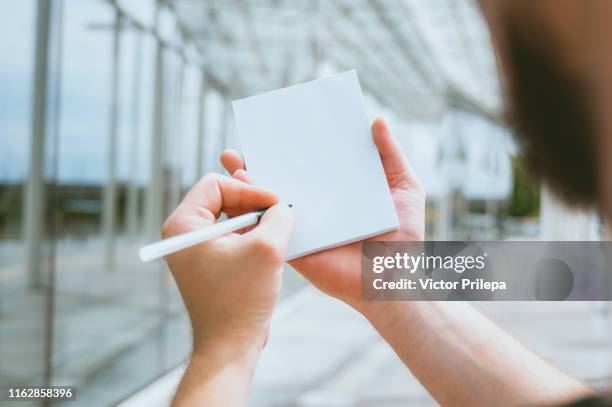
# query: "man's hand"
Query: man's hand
337,271
229,285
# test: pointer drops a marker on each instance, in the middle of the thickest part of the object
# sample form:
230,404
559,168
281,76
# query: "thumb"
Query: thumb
274,229
397,169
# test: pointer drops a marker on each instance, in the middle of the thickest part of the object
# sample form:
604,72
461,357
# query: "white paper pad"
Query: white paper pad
312,145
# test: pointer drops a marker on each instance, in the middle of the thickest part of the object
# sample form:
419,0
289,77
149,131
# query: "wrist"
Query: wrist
224,352
218,374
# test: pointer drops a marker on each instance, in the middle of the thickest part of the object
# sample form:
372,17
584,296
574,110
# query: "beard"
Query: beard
550,111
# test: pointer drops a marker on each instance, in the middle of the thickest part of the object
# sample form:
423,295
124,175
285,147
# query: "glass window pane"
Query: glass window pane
22,307
111,310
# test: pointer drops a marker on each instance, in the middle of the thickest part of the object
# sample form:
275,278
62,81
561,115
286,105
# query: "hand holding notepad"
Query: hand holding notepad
337,271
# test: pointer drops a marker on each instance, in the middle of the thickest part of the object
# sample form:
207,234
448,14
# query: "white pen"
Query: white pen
179,242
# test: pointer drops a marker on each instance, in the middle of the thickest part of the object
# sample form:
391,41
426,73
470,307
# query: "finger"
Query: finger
241,175
216,193
271,236
397,169
232,160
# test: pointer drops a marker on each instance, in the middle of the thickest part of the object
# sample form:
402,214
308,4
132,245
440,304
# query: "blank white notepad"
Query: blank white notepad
312,145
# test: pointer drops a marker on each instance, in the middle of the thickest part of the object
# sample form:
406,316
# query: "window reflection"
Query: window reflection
22,317
107,324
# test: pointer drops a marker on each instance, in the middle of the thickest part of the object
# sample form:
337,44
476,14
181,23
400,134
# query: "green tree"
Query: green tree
525,199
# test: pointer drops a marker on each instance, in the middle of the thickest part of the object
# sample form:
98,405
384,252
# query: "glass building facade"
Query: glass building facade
102,124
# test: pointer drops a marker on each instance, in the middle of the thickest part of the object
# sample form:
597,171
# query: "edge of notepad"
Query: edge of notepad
342,243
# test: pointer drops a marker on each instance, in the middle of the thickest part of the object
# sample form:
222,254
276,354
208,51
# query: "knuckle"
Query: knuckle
175,224
211,176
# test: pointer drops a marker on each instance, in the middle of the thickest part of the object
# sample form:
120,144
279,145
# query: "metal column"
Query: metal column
177,135
443,225
35,194
201,135
225,112
109,198
132,195
154,203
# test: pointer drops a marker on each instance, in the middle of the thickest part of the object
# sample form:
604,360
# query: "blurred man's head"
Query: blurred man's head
552,57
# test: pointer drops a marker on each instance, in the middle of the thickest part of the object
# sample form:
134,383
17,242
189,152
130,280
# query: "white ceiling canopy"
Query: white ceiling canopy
417,57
